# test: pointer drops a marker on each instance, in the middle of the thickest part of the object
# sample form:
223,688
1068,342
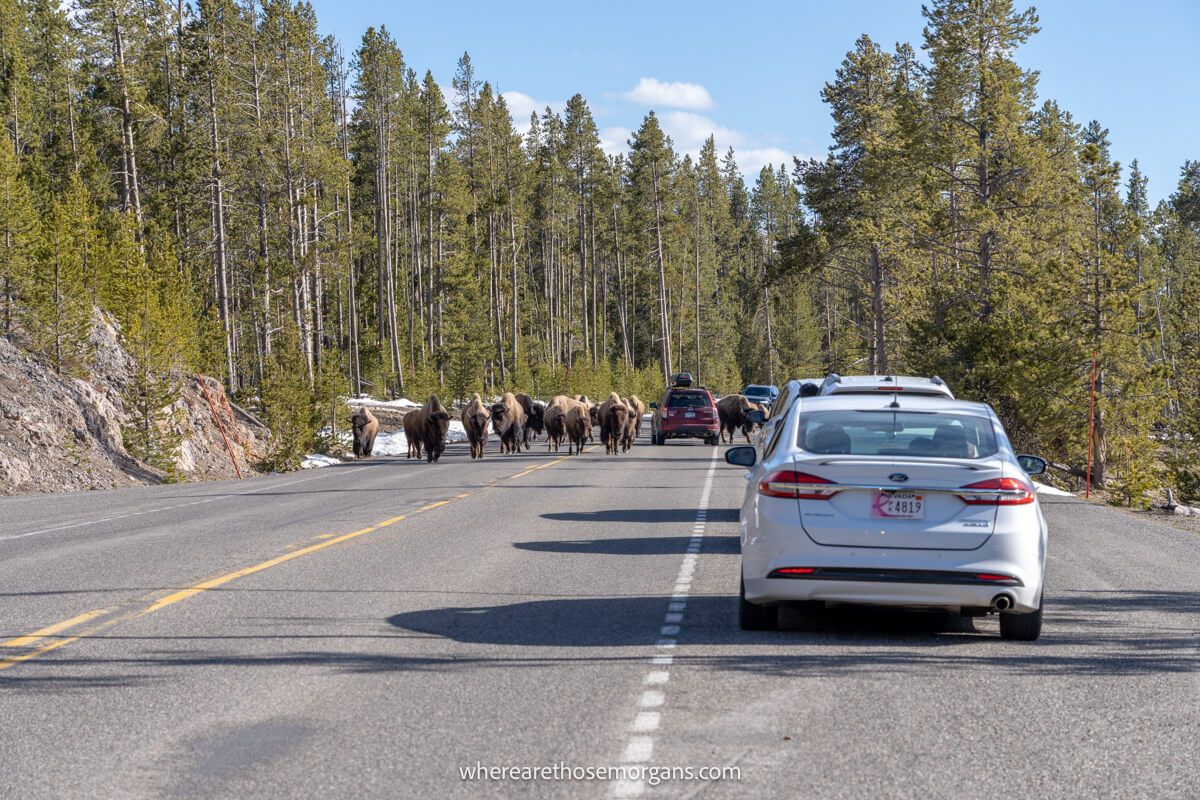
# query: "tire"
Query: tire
657,438
1022,627
753,617
712,441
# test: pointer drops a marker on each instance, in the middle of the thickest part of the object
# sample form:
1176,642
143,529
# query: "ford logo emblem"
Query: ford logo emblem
897,477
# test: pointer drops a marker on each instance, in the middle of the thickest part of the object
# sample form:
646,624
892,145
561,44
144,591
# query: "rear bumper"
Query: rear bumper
915,595
691,431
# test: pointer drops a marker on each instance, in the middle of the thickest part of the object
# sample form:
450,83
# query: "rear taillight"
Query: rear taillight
801,485
998,492
795,571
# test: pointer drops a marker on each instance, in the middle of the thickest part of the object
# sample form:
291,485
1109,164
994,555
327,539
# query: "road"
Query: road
372,629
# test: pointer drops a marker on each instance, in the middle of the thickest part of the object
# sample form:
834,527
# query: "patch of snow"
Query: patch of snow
1042,488
367,400
396,444
315,460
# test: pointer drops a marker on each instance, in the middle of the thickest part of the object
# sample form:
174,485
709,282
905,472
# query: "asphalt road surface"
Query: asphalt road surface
373,630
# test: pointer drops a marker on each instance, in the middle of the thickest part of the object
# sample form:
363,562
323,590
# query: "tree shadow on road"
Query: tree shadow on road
634,546
653,515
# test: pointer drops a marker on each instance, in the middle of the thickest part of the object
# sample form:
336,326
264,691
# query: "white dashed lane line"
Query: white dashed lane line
639,745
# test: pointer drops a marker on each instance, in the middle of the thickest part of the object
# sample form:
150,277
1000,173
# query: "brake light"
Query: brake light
989,576
796,570
801,485
889,388
1013,492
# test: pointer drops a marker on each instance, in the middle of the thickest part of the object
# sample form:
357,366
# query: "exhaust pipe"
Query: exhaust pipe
1002,602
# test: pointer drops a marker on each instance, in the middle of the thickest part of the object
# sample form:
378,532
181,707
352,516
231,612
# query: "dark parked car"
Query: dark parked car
759,393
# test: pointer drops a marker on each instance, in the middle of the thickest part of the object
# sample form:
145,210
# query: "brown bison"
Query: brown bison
432,421
535,411
365,428
578,427
639,411
593,412
732,411
475,417
613,415
555,421
412,433
748,428
508,421
629,436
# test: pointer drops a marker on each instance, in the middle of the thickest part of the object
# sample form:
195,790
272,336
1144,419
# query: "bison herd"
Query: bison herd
517,419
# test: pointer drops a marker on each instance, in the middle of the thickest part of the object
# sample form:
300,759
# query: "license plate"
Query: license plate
898,505
689,414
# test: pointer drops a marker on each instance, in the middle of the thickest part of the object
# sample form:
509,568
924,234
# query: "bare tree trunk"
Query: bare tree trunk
131,196
664,331
218,215
879,365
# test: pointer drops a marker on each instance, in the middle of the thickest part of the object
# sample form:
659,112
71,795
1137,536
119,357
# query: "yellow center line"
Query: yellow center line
50,630
329,540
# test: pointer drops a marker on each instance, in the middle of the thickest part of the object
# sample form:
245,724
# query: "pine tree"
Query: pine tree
20,232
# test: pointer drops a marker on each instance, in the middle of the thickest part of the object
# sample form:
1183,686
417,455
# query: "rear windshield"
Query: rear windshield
688,400
896,433
763,390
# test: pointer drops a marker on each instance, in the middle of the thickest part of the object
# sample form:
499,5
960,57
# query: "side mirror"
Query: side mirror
743,456
654,405
1033,465
754,417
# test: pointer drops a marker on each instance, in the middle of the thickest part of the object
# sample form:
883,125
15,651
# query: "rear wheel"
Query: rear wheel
711,440
753,617
657,438
1021,627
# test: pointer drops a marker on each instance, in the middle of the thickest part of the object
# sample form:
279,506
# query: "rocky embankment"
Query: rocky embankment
59,433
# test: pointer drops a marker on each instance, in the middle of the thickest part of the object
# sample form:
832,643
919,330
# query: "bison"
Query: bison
535,411
555,420
365,428
508,421
613,415
475,417
732,411
578,427
412,434
629,435
432,421
639,411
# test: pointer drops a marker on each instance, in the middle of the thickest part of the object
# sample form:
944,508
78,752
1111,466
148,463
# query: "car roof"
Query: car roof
883,402
863,384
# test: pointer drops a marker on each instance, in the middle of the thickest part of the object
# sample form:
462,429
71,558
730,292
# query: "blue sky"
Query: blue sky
751,73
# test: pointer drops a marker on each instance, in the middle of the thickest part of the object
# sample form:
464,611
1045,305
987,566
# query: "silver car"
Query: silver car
912,500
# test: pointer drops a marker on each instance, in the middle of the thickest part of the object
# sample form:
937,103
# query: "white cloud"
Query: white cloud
670,94
688,131
521,105
614,140
753,159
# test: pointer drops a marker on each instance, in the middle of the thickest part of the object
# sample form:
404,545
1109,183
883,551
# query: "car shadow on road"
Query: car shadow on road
633,546
643,515
840,641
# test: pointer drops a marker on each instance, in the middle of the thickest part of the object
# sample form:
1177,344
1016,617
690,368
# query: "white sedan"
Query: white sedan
914,501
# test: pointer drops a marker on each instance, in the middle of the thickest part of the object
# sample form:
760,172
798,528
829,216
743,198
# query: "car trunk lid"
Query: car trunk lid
897,502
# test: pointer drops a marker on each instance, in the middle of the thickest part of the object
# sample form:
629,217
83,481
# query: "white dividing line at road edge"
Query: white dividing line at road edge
639,745
87,522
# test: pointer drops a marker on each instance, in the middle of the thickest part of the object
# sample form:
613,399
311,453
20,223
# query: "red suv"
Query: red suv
685,413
